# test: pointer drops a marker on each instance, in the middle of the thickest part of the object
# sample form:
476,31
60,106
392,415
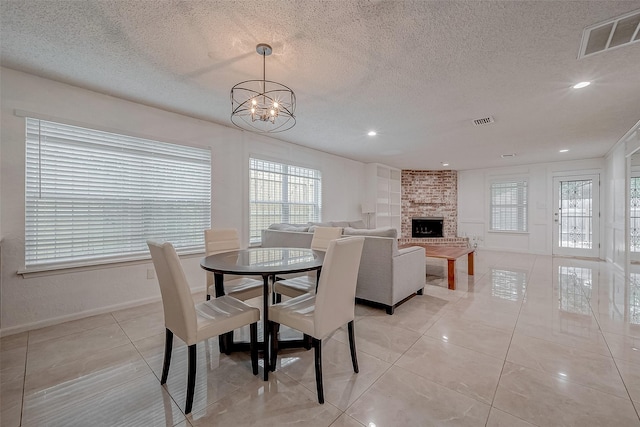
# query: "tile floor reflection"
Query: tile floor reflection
527,341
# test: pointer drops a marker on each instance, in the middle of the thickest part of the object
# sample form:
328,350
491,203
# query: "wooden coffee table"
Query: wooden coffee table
451,254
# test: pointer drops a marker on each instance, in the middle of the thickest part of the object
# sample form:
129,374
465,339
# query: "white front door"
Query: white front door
576,229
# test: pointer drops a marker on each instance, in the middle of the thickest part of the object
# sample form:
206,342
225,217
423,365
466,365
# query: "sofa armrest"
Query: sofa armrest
409,272
412,249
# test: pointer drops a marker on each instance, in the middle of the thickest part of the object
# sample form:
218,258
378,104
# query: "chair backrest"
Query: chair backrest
218,240
335,298
179,310
323,235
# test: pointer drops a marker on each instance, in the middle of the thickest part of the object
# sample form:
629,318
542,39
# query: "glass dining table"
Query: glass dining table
265,262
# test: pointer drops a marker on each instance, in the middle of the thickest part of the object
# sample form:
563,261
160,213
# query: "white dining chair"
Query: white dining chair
191,322
318,315
219,240
301,285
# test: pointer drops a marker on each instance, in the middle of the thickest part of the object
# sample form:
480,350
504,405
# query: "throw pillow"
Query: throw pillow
342,224
289,227
359,224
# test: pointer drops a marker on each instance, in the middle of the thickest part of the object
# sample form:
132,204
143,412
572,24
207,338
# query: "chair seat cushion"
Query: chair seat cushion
295,286
223,314
243,288
297,313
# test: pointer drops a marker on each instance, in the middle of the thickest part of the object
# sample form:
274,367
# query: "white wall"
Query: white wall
31,302
473,204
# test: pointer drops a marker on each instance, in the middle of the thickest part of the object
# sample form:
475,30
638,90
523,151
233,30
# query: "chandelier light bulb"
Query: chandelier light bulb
275,104
254,102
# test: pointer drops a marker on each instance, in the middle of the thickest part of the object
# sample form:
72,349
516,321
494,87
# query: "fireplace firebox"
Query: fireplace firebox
427,227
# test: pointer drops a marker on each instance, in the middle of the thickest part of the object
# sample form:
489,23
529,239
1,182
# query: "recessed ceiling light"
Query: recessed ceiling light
445,164
564,150
504,156
581,85
372,133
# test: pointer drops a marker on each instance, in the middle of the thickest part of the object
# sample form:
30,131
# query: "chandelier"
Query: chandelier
263,106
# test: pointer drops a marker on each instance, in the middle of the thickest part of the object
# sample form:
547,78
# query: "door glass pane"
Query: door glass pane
576,214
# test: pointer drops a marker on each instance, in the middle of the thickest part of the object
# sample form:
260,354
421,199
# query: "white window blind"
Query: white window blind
93,195
281,193
509,210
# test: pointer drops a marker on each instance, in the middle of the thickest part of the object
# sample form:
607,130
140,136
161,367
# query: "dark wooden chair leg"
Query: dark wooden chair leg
253,329
275,328
307,341
228,342
208,296
222,343
317,345
168,347
420,292
390,309
317,279
352,347
191,378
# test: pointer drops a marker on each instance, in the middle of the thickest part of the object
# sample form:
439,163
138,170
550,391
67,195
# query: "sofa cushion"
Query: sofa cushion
359,224
289,227
313,225
342,224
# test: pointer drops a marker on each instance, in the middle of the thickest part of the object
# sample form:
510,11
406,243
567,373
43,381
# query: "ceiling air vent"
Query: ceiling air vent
611,34
483,121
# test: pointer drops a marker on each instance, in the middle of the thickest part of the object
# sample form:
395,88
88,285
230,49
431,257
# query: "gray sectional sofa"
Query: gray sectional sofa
387,275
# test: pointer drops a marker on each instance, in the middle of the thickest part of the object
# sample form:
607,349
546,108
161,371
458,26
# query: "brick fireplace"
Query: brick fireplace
428,194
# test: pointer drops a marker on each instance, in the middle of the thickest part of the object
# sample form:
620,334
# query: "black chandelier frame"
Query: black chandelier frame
263,106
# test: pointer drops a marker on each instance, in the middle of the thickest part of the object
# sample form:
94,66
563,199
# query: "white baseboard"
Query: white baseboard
75,316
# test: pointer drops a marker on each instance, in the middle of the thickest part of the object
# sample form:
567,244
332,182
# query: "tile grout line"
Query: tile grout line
24,379
615,363
578,383
72,332
391,365
150,369
107,389
509,348
377,379
439,384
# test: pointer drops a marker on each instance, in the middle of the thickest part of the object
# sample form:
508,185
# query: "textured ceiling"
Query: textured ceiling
418,72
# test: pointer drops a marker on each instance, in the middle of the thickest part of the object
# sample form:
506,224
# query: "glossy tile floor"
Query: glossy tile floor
529,340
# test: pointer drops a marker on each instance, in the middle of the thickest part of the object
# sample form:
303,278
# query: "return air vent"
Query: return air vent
611,34
483,121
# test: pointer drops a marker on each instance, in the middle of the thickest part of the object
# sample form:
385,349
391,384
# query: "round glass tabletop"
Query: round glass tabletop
264,261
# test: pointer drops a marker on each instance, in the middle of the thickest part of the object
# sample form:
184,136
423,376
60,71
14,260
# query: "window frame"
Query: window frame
150,146
286,212
522,206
